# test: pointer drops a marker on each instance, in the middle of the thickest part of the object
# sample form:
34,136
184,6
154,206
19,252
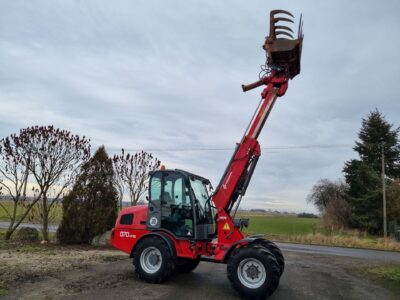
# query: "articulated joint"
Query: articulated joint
277,85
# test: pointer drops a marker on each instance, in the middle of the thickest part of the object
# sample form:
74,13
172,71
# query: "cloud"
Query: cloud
167,75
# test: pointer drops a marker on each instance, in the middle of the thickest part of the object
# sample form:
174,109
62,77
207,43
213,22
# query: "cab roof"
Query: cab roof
184,173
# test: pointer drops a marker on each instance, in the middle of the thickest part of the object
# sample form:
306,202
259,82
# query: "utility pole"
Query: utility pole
384,193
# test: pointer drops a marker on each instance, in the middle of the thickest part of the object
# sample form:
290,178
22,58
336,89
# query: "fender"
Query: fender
247,240
164,237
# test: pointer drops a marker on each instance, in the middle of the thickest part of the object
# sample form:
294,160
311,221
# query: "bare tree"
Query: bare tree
133,171
329,197
14,173
56,156
325,191
336,214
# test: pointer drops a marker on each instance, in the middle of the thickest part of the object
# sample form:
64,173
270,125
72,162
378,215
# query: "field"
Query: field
307,231
281,225
32,217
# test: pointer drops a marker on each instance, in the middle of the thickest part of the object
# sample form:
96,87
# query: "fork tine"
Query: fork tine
282,19
281,11
283,33
284,27
300,30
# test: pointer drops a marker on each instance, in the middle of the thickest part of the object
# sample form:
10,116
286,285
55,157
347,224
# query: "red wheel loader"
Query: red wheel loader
183,224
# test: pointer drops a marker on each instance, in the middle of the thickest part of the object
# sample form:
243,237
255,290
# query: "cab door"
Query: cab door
170,205
154,206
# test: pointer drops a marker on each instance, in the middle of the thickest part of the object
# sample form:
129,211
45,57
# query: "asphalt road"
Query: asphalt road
312,272
52,228
374,255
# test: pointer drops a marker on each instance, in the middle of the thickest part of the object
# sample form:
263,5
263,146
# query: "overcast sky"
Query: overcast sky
166,75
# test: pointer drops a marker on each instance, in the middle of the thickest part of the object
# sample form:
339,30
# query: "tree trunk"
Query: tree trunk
11,227
45,220
8,234
45,226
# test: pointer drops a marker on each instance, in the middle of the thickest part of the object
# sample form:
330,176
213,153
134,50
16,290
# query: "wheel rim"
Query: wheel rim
251,273
151,260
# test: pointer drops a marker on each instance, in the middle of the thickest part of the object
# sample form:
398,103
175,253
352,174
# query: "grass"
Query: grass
340,240
308,231
56,213
387,275
3,233
282,225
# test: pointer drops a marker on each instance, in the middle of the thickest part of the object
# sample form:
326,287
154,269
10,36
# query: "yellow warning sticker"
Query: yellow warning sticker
226,227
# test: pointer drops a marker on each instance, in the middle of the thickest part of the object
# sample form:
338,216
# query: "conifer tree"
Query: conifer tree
363,175
91,206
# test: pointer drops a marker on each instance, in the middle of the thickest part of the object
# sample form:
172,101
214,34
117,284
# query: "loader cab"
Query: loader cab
179,204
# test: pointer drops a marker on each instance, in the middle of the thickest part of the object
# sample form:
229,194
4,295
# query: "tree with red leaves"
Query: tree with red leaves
55,159
133,170
14,176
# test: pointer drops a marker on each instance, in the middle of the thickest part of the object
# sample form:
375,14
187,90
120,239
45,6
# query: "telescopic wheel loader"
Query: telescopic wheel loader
183,225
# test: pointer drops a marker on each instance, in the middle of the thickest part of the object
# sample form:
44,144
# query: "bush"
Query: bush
28,234
307,215
397,235
91,207
336,215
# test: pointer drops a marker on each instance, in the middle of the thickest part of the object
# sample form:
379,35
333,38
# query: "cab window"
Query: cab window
176,211
126,219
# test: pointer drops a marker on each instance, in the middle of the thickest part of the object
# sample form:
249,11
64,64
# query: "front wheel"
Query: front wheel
153,260
253,271
274,249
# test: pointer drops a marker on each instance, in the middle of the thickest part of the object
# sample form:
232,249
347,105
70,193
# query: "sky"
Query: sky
165,76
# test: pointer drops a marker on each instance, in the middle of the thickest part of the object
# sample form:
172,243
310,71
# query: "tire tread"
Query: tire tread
166,271
272,263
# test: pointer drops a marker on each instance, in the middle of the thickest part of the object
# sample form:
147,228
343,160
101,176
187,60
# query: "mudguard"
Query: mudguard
164,237
248,240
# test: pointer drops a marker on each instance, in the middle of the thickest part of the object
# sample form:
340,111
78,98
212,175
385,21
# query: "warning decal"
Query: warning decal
226,227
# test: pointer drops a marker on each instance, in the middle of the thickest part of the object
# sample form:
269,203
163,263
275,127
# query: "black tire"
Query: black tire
260,262
274,249
157,254
186,265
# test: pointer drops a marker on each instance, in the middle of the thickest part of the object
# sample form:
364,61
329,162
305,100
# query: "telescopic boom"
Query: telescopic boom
283,63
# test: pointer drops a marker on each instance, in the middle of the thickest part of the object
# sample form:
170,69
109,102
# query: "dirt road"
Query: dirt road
323,275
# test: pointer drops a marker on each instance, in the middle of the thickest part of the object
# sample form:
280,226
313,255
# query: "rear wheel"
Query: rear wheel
274,249
253,271
153,260
186,265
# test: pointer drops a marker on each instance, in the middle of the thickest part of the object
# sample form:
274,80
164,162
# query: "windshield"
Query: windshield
200,191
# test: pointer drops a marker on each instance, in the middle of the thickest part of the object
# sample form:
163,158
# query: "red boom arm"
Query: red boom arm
238,172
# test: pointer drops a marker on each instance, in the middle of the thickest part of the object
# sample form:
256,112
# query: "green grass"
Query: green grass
9,206
4,243
281,225
3,290
56,213
388,275
308,231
